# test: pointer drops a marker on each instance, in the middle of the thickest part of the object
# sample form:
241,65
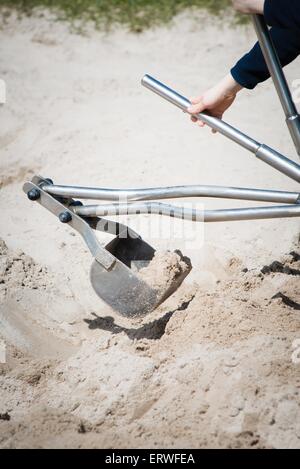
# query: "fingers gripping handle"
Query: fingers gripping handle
183,103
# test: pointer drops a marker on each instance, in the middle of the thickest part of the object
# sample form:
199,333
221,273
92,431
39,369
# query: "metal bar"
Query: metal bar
279,79
263,152
106,259
184,213
173,193
217,124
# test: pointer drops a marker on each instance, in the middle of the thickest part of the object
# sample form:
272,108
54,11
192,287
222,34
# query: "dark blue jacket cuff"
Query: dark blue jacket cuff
242,77
251,69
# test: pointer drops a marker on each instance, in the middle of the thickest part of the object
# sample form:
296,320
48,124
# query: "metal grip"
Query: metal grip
217,124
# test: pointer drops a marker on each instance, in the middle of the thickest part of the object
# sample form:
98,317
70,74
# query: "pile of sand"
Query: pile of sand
165,269
158,383
35,308
18,270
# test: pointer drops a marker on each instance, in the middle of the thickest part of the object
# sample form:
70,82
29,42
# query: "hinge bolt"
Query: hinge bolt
33,194
65,217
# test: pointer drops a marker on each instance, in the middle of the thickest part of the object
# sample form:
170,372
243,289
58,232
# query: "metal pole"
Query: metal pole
183,103
174,192
279,79
184,213
263,152
105,258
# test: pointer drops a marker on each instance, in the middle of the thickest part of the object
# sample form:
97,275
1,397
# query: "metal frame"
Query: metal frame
59,198
263,152
63,210
111,274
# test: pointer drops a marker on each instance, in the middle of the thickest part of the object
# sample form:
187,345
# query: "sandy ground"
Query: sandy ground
212,366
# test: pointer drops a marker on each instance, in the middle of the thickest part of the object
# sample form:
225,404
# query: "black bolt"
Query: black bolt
33,194
65,217
76,203
49,180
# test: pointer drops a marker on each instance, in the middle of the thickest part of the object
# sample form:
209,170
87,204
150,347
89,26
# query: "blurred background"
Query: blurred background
136,15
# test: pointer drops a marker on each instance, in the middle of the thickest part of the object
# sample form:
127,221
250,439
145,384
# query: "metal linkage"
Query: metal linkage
184,213
175,192
114,270
63,211
142,201
59,200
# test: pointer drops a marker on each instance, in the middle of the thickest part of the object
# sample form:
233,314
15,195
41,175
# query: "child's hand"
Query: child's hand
216,100
249,6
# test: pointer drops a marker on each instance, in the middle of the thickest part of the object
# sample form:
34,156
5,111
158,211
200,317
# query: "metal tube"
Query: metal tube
276,160
183,213
105,258
213,122
174,192
281,163
279,79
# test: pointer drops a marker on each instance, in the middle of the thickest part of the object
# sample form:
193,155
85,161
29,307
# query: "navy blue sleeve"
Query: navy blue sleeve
251,69
284,17
282,13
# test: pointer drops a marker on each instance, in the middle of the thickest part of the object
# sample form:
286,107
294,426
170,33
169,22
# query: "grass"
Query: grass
136,15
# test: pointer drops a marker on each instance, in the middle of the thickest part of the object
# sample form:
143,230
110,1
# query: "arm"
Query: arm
249,6
280,13
252,69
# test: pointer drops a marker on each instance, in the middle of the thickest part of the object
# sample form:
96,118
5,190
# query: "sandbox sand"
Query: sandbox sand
213,366
165,269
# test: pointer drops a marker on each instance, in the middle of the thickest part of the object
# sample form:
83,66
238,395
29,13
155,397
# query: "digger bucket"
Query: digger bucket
114,272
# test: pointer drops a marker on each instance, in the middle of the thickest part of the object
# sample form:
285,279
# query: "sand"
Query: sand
216,364
165,269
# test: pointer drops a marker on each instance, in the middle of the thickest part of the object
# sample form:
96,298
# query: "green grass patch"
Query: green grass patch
136,15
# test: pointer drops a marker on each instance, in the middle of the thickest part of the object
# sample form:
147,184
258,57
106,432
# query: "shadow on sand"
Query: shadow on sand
153,330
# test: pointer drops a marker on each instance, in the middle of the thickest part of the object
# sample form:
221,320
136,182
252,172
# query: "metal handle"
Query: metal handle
213,122
280,82
185,213
263,152
173,192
